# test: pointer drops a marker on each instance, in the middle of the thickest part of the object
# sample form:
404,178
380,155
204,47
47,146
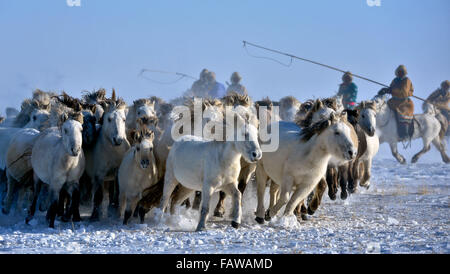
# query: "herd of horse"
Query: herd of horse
59,152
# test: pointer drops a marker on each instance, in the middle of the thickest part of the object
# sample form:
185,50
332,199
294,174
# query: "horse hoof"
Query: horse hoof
94,219
200,229
310,211
28,219
4,211
259,220
332,197
65,219
267,216
343,195
235,224
218,214
304,217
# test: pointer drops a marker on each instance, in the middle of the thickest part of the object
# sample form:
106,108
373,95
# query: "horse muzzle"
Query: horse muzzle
75,151
117,141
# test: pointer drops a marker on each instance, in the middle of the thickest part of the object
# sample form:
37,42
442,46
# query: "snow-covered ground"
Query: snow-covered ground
406,210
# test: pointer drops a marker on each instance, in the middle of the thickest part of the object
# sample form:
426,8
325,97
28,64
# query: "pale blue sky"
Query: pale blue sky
49,45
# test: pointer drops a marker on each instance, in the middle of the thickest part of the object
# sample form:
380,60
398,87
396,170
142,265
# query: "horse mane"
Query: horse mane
142,102
288,101
330,102
304,123
94,96
27,107
233,98
317,128
143,133
69,101
44,98
156,100
367,104
265,102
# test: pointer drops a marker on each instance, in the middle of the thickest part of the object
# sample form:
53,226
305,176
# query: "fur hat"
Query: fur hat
401,70
235,77
347,77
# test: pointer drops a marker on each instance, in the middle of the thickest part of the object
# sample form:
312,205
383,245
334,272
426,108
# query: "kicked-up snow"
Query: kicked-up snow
406,210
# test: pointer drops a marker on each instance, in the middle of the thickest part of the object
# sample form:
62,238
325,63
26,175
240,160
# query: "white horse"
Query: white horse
105,156
209,166
142,112
301,160
136,173
426,126
58,160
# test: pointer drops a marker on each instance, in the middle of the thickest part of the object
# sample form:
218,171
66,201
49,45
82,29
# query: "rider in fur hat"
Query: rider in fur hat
236,85
348,90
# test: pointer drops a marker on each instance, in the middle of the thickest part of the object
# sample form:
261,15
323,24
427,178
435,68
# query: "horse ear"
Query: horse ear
113,96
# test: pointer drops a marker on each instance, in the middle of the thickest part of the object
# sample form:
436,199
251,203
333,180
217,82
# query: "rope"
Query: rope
182,75
267,58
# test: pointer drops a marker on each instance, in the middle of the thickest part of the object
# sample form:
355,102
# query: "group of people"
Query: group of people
400,89
207,86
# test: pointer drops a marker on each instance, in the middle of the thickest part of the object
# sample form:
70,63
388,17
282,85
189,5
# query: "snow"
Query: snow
406,210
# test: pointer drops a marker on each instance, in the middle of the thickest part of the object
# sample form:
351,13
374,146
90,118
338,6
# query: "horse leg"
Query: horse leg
343,179
131,204
52,210
170,182
440,145
365,181
76,205
331,178
274,191
233,189
207,191
180,195
63,195
36,190
294,200
219,211
197,200
353,177
425,149
317,199
286,187
261,179
13,186
395,153
97,189
44,197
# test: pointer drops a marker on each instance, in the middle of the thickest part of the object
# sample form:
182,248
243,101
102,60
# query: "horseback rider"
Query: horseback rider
401,89
440,98
200,87
348,90
215,89
236,86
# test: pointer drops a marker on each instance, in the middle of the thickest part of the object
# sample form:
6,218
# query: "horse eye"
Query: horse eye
139,113
109,119
65,130
364,116
138,148
151,149
337,133
34,118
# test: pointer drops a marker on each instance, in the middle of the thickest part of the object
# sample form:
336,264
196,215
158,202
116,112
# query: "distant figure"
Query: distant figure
348,90
215,89
200,87
236,85
440,98
401,89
